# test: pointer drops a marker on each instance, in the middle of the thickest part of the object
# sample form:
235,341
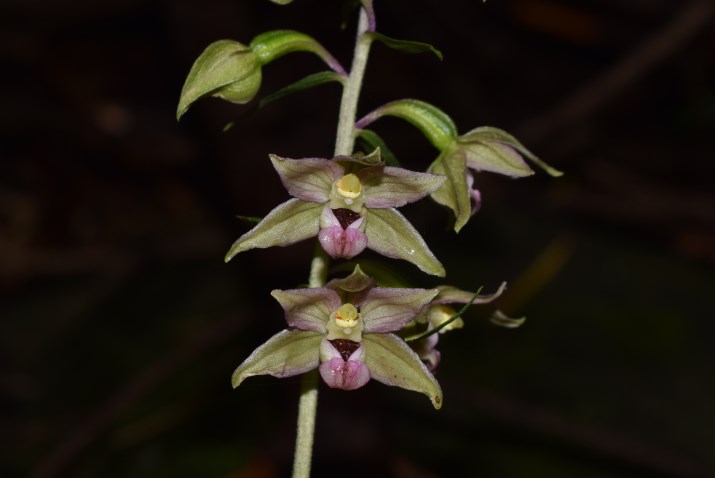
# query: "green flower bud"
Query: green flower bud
226,69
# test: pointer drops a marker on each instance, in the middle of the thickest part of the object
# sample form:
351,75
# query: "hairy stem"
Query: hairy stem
344,142
307,406
308,402
345,137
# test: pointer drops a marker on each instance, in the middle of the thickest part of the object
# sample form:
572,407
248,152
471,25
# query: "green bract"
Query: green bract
434,123
272,45
405,46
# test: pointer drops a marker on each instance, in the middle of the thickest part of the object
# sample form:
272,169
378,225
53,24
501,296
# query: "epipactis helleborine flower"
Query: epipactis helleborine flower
349,203
437,313
345,330
481,149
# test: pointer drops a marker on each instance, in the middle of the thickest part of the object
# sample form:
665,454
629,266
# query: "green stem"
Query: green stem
308,402
345,138
307,406
344,142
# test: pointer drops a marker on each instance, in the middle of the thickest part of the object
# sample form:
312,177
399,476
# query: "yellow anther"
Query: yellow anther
349,186
346,316
440,313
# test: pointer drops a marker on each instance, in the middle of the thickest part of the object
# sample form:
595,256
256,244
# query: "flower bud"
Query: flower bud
226,69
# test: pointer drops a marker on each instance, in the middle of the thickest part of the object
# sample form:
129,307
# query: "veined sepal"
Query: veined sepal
288,353
392,362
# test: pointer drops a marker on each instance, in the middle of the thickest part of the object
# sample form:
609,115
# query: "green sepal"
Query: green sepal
288,353
495,158
390,234
290,222
282,2
486,134
384,273
454,192
372,141
360,160
392,362
434,123
498,318
226,69
355,282
405,46
272,45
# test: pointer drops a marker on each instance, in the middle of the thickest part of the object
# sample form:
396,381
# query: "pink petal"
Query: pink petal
349,375
474,194
431,359
342,243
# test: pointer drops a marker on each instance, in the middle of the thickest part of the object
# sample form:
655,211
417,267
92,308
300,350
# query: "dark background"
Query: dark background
121,324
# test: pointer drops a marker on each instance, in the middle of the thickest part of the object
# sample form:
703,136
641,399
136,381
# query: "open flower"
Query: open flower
349,203
481,149
439,315
345,330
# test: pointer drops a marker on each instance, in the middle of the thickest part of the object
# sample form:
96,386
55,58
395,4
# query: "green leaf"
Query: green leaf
392,362
390,234
489,133
454,192
308,82
288,353
405,46
498,318
282,2
290,222
226,69
434,123
371,141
